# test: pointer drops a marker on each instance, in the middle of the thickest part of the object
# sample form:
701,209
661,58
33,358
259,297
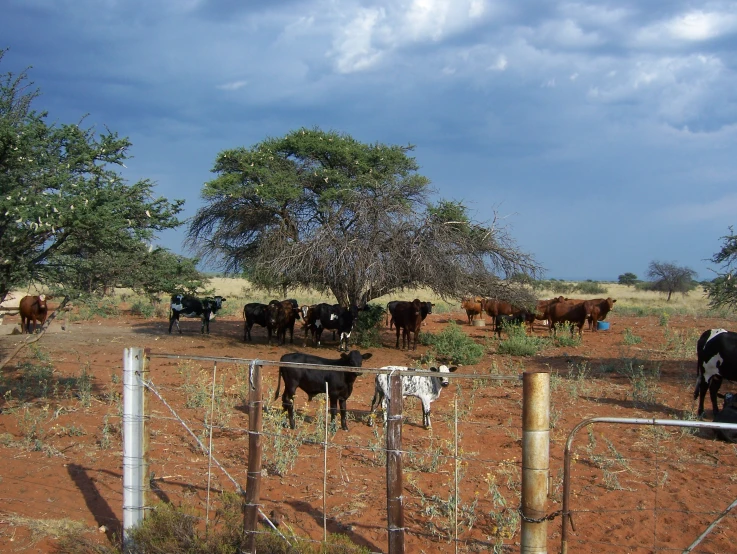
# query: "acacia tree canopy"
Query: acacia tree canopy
722,291
670,278
65,212
322,210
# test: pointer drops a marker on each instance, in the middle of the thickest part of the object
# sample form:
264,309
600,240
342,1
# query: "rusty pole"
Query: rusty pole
394,487
535,460
253,478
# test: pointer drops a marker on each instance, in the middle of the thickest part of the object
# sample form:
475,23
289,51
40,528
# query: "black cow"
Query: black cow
335,317
280,317
408,319
425,310
504,320
189,306
716,359
312,381
253,313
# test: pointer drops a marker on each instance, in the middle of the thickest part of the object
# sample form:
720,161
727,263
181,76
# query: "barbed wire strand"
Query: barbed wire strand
152,388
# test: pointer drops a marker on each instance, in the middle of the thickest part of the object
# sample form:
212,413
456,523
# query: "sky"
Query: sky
603,135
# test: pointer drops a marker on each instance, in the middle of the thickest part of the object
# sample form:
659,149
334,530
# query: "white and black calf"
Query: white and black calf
312,381
716,360
426,388
189,306
333,317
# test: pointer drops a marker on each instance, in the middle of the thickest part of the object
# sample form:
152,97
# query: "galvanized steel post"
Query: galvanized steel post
535,460
394,487
253,477
134,472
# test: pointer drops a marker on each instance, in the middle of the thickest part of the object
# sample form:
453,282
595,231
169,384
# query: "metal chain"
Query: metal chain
548,517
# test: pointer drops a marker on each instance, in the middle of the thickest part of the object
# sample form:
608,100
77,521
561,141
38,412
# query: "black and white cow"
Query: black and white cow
189,306
312,381
327,316
426,388
716,359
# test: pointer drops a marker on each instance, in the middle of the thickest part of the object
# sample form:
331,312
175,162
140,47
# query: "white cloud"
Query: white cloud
235,85
500,64
693,26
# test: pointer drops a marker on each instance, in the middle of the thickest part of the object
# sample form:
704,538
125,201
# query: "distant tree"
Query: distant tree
322,210
67,217
670,278
628,279
722,291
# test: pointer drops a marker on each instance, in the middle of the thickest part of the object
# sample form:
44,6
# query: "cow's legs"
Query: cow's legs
398,331
426,414
343,415
287,403
334,411
714,383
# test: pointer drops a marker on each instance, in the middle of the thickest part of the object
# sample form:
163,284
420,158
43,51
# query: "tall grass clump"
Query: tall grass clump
519,343
177,530
566,335
453,345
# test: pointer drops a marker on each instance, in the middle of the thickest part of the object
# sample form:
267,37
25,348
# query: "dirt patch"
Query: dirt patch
634,489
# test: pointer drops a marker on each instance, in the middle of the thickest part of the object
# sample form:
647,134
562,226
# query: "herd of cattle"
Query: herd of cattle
716,349
553,312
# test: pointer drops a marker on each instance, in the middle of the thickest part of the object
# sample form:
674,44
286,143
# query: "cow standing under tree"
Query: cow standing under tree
32,309
189,306
313,381
280,318
254,313
407,320
334,317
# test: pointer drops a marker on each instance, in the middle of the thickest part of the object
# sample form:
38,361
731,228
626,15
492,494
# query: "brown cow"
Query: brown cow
565,311
408,318
474,305
495,307
32,309
280,318
597,310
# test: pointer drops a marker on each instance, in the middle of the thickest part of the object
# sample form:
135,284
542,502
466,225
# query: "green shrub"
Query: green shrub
630,338
519,343
370,320
591,287
566,334
455,346
143,308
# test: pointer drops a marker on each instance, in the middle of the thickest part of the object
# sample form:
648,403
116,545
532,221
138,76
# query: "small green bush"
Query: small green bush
630,338
143,308
455,346
518,343
591,287
370,320
566,335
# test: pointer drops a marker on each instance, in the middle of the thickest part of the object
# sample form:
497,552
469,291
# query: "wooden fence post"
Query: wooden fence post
394,486
253,478
535,460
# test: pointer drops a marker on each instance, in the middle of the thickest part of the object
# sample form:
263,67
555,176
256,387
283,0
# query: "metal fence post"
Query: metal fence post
535,460
253,478
394,487
134,468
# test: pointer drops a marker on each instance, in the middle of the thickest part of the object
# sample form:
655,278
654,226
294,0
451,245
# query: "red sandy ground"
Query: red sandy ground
634,489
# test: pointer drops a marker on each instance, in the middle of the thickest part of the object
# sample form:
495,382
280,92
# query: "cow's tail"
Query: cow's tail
278,385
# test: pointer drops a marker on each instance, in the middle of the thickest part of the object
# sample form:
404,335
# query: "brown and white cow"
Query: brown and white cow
32,309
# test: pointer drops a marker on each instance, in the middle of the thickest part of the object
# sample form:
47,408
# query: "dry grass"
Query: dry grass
41,528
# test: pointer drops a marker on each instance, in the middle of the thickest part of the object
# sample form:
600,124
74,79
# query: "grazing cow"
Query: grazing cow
280,317
426,388
334,317
253,313
570,312
504,320
32,309
408,319
495,307
716,359
597,310
189,306
425,309
473,306
312,381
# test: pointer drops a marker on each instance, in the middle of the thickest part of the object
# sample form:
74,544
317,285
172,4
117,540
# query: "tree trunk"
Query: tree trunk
670,292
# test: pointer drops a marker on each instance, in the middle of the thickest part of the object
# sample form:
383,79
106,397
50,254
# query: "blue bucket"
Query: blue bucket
602,325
